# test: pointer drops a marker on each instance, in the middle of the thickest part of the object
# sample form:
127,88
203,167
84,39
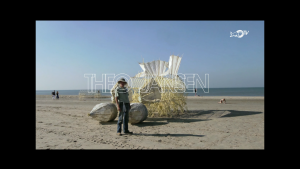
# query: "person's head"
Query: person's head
122,82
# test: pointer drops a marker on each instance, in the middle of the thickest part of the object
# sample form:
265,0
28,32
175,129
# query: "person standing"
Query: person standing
123,105
57,97
53,95
195,91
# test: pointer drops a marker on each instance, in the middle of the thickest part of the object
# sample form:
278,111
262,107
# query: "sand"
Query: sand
238,124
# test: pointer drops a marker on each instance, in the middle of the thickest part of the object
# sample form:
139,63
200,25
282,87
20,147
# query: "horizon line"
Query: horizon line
188,88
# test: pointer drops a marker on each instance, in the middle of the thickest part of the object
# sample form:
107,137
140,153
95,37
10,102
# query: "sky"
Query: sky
66,50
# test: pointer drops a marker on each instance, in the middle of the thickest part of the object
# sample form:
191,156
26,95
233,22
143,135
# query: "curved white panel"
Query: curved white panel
177,66
158,67
142,66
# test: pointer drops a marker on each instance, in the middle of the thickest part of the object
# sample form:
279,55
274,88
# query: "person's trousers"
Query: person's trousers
123,118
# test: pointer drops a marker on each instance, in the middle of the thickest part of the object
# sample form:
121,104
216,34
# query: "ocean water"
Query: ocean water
247,91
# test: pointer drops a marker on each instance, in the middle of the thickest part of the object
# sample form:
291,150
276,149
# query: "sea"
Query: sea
242,91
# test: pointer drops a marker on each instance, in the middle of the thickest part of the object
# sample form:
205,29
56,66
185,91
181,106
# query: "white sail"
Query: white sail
154,68
142,66
174,63
158,67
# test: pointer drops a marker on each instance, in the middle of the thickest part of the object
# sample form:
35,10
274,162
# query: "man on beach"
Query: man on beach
195,91
123,105
53,95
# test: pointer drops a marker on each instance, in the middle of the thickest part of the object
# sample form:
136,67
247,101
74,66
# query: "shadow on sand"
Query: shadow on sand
155,121
142,124
222,113
234,113
166,135
189,117
114,122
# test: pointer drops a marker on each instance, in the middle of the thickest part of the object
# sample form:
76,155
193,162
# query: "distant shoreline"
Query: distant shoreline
67,96
226,97
225,92
188,97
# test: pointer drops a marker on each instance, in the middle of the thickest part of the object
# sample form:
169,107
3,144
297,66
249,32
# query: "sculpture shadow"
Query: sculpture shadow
142,124
114,122
155,121
229,113
166,135
175,120
234,113
188,117
147,123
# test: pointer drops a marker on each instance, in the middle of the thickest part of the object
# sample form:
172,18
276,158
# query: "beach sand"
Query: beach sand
238,124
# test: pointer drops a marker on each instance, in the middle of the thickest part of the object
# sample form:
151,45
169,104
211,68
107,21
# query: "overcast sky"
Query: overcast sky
66,50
